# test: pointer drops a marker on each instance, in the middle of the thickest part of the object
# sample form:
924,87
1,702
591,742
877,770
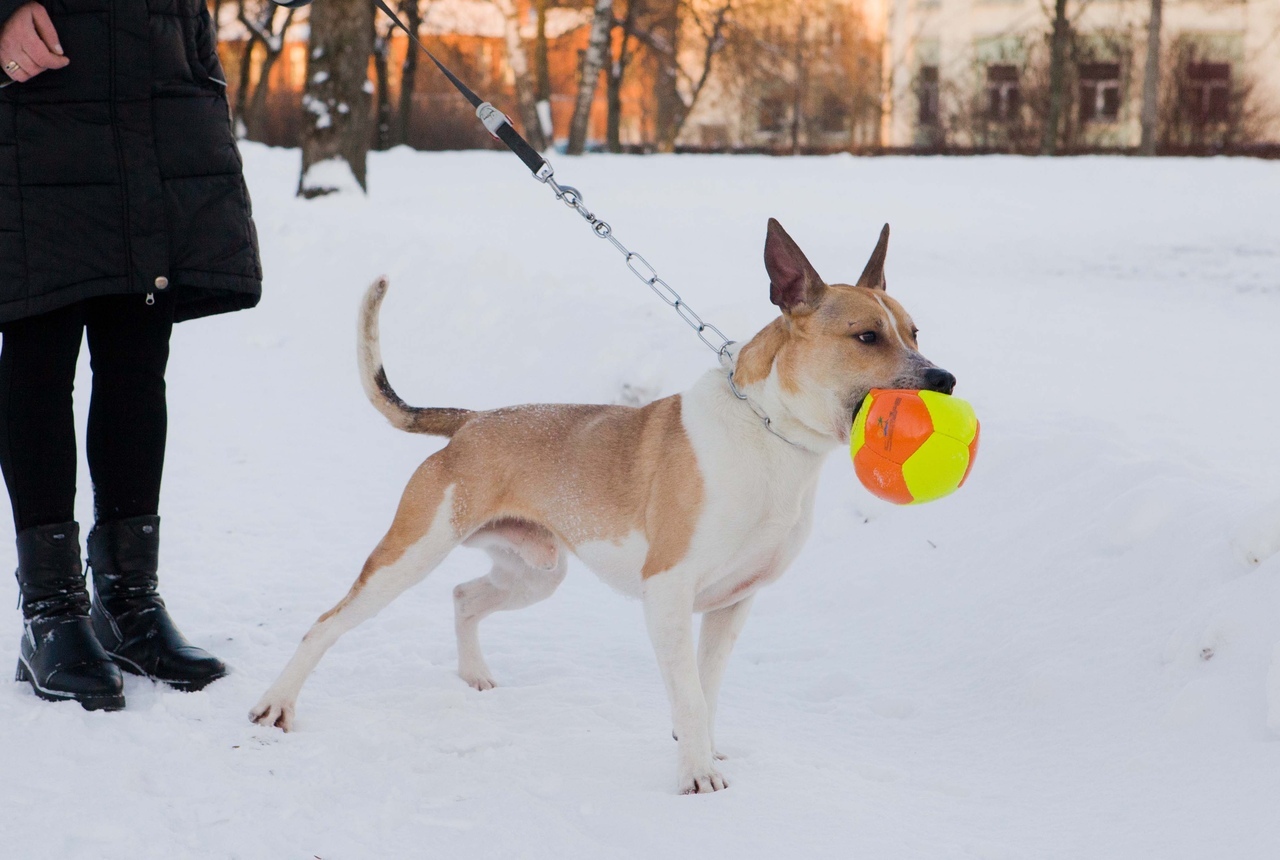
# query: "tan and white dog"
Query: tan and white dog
690,503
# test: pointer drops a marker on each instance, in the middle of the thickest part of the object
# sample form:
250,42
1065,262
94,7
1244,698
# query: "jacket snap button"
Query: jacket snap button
162,282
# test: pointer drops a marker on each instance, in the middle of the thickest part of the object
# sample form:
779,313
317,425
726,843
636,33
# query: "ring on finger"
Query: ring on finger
12,66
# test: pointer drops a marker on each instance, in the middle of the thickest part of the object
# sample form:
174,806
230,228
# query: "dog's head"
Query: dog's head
833,342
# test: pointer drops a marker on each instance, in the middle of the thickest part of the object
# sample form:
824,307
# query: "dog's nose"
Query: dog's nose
937,379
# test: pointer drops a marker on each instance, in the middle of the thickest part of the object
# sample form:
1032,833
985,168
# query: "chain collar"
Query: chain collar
729,363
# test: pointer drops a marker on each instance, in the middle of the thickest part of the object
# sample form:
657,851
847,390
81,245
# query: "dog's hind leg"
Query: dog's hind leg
421,535
528,566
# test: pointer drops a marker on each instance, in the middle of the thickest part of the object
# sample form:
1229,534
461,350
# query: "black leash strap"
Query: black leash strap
494,120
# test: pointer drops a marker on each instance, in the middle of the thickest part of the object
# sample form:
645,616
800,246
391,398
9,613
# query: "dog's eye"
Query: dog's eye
915,334
867,337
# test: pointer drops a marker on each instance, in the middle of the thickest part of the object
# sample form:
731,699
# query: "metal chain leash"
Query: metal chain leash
707,333
642,269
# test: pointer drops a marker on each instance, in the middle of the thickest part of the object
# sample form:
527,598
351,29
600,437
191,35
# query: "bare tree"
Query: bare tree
613,80
411,11
1208,105
1151,82
336,138
800,84
592,63
526,97
807,74
215,14
542,72
382,95
1059,38
677,88
261,25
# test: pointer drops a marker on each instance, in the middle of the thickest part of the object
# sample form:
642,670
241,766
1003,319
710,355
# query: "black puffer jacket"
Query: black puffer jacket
119,173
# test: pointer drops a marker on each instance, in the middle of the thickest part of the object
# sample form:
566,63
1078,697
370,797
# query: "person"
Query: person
123,210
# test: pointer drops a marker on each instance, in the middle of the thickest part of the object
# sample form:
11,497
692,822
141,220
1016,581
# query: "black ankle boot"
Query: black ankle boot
59,656
128,614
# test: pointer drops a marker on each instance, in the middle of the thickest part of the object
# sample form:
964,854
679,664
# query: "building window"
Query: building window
1004,99
773,113
927,94
1099,92
1207,91
833,113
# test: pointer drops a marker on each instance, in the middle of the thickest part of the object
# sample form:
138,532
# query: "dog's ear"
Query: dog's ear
794,285
873,275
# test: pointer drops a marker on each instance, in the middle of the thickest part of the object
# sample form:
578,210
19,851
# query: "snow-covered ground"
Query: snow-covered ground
1070,658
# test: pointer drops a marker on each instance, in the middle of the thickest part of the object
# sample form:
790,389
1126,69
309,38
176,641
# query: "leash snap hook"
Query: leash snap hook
570,195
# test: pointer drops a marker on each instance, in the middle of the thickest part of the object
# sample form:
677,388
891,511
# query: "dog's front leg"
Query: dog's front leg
668,610
720,629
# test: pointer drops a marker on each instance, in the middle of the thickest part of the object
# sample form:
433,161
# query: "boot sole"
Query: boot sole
89,703
187,686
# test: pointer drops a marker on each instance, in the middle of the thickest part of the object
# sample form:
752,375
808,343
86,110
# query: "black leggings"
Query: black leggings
128,350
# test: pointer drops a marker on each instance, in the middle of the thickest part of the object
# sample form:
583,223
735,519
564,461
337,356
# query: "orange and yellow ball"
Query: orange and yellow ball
911,447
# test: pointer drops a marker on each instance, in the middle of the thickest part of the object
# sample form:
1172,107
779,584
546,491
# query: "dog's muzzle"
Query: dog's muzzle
937,379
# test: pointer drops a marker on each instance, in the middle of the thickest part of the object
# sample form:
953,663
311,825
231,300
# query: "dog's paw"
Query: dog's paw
718,756
703,783
478,679
270,712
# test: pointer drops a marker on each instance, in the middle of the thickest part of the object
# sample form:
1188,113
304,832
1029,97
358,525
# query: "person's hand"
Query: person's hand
29,44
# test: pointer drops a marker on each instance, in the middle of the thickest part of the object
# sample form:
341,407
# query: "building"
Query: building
791,76
974,73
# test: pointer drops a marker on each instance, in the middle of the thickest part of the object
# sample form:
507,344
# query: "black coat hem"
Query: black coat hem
197,294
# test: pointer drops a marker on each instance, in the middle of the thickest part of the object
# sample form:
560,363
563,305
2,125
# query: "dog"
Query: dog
692,503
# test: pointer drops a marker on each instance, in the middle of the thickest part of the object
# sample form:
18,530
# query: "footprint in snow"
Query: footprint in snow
1257,538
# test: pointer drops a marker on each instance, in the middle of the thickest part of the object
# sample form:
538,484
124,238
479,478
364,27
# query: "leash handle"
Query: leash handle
494,120
526,153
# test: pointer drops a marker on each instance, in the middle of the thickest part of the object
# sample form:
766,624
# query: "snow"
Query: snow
318,108
331,176
1076,656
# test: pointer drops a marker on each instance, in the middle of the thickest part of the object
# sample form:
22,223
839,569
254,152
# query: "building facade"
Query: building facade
975,73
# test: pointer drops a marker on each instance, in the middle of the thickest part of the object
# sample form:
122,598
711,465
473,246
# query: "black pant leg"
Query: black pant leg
128,417
37,424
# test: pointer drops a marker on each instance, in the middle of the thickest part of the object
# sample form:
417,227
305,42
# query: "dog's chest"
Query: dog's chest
759,496
750,543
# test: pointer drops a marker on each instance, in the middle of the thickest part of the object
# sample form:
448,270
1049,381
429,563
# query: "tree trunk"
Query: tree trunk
797,106
412,14
1057,78
618,70
669,106
541,69
215,14
592,62
242,88
542,73
255,111
253,114
335,140
1151,82
526,98
382,103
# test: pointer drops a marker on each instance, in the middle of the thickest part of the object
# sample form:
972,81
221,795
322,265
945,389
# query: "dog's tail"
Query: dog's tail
411,419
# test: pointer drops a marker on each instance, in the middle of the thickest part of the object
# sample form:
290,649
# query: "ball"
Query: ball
910,447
